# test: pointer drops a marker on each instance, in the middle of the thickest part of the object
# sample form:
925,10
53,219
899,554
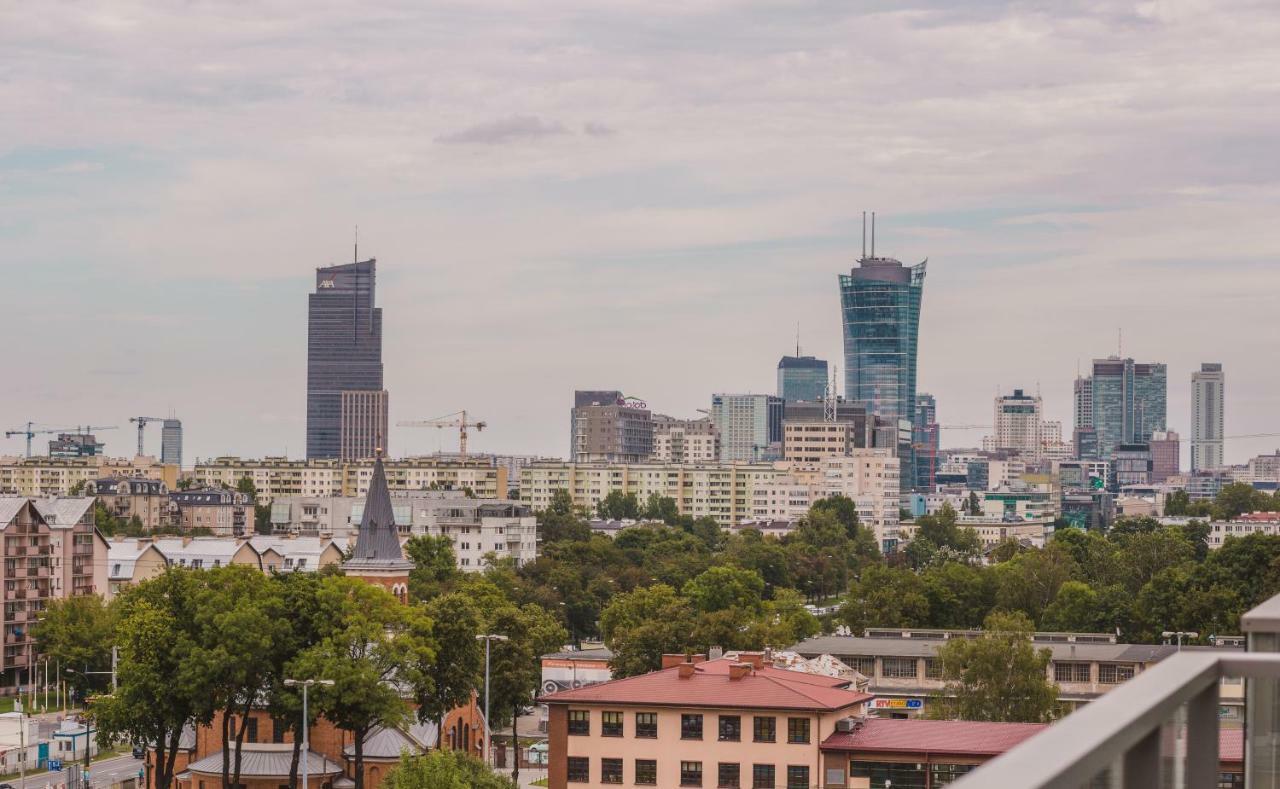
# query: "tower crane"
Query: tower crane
31,432
457,419
142,423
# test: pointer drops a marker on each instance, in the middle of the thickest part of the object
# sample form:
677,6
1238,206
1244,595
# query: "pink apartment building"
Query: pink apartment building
718,723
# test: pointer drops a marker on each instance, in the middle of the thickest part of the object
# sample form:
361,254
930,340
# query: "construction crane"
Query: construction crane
142,423
31,432
457,419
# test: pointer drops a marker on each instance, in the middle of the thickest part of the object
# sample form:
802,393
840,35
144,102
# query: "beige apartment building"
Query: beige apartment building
51,551
723,722
127,498
869,477
44,476
278,476
810,442
684,440
720,491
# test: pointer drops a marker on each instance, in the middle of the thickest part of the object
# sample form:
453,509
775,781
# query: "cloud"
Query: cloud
517,128
593,129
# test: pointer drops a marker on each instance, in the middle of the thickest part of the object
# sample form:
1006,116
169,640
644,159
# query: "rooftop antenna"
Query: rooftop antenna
355,248
1120,342
797,338
864,235
873,234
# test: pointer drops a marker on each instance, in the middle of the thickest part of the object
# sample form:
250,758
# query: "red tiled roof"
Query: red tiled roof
916,735
710,686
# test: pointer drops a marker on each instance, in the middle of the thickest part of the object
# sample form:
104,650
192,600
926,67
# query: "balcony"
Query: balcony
1159,729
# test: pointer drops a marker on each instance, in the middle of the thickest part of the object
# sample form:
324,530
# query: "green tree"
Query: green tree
661,508
457,666
1177,503
762,554
844,510
163,683
885,597
1075,609
724,588
1238,498
958,595
1000,676
444,769
619,506
245,485
435,567
1029,581
643,625
78,632
783,622
370,643
561,520
515,664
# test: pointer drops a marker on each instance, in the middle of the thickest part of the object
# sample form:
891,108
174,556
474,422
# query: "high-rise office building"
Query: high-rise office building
1207,398
608,427
1019,425
1129,402
1166,450
750,427
880,306
344,354
802,378
924,439
363,426
171,443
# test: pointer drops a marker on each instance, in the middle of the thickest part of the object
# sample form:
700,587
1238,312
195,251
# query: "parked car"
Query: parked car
138,753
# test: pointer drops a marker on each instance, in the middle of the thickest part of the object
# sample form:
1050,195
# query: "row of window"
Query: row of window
1108,673
728,774
907,668
763,727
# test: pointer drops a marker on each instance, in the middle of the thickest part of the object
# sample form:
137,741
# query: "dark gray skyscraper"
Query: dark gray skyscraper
344,355
802,377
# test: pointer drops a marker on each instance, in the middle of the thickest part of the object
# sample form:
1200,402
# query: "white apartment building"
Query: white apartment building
1207,399
45,476
278,476
477,527
1019,426
869,477
684,440
810,442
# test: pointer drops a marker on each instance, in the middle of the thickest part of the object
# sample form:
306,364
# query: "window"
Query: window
729,775
866,666
580,722
647,724
902,774
610,771
730,728
691,773
647,772
797,730
1071,672
943,774
611,724
691,727
763,776
932,668
764,729
251,734
1113,673
899,668
798,777
579,769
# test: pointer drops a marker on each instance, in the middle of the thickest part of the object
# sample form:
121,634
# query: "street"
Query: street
101,773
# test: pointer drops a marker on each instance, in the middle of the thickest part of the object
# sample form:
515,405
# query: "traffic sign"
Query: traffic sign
55,765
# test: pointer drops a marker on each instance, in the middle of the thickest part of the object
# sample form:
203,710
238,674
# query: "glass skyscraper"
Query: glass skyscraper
1129,402
344,354
802,378
880,302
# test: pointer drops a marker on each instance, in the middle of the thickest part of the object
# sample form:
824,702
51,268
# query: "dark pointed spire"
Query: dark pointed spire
378,540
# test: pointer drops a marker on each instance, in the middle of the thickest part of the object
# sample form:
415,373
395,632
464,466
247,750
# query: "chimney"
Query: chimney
715,653
672,660
686,670
739,670
754,659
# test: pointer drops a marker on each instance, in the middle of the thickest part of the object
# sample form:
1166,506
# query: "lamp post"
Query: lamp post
306,720
1179,634
488,730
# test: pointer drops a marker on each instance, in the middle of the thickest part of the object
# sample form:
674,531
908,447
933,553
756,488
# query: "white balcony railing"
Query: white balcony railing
1160,729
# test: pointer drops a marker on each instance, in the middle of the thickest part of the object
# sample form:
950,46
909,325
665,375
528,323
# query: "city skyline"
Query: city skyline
184,215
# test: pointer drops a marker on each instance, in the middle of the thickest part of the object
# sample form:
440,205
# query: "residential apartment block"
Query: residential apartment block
869,477
684,440
1207,406
278,476
607,426
59,476
129,498
750,427
223,512
51,551
723,722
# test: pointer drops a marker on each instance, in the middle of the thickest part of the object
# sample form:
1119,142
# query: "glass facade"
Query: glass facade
750,427
880,305
1129,403
344,350
802,378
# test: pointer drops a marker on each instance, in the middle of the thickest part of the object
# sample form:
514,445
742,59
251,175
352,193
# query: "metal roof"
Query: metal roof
378,543
63,512
846,646
267,760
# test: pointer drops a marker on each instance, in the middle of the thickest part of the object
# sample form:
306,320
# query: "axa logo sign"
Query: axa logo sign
326,284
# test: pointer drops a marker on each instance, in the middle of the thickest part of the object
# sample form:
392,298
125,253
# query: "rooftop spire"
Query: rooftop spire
378,540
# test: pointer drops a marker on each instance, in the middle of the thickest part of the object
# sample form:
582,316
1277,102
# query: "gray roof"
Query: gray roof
64,512
599,653
843,646
378,543
266,760
10,506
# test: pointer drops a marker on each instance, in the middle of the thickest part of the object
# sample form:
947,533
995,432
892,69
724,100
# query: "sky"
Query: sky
647,196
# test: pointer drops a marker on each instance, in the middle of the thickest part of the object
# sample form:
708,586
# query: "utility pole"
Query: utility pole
306,720
488,729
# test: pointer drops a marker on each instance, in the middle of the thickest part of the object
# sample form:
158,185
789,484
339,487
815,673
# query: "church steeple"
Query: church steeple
377,557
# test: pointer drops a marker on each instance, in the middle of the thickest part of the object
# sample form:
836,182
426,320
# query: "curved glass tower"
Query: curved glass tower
880,305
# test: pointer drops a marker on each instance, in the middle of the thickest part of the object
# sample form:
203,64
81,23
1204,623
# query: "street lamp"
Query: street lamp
488,730
306,720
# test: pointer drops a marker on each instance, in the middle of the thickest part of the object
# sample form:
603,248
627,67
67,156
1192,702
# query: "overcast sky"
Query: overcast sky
637,195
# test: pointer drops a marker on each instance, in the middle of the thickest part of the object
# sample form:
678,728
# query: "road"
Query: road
101,773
